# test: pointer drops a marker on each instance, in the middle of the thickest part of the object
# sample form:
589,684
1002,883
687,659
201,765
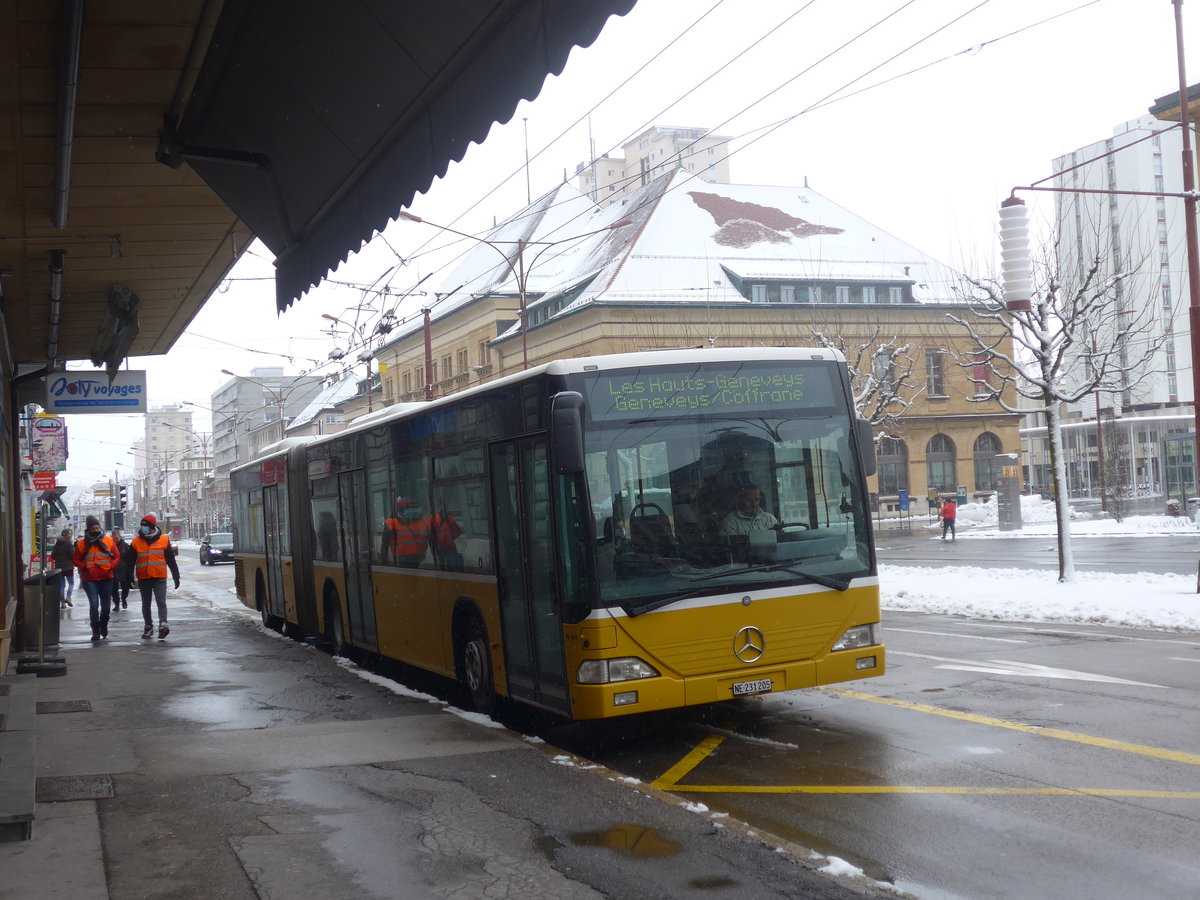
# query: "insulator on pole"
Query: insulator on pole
1015,263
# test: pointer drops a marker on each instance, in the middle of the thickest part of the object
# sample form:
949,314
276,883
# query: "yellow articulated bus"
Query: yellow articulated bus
596,537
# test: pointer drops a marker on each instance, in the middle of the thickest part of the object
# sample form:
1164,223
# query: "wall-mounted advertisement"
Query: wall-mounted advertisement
48,444
80,392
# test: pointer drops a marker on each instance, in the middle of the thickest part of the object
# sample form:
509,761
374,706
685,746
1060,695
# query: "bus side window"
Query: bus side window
325,520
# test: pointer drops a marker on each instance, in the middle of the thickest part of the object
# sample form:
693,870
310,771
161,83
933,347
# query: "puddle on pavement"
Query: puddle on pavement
633,840
221,709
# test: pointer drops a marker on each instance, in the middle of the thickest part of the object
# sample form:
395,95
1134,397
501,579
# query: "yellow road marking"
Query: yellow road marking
689,762
933,789
1191,759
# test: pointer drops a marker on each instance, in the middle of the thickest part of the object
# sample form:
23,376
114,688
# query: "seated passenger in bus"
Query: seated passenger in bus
405,535
747,514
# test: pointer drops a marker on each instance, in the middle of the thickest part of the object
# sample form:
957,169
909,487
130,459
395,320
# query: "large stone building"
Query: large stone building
682,263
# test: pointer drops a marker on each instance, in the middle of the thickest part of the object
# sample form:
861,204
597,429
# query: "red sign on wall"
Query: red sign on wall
44,481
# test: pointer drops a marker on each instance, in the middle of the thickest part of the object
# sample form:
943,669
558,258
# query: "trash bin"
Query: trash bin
33,607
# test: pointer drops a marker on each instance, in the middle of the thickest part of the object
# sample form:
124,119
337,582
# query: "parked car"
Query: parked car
216,548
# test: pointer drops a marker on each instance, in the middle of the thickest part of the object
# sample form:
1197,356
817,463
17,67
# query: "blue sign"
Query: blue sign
94,392
903,496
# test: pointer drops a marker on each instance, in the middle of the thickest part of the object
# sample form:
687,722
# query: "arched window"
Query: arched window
892,464
987,469
939,464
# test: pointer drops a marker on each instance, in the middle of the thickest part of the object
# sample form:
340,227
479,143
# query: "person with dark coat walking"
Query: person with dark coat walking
123,573
63,557
96,557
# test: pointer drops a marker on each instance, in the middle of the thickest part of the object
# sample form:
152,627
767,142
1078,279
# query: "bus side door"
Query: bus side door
530,614
356,551
273,529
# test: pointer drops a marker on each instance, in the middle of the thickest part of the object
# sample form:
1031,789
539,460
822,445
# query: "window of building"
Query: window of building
758,293
895,295
939,465
884,370
407,381
463,363
447,367
987,467
787,293
935,377
980,375
892,465
841,294
868,294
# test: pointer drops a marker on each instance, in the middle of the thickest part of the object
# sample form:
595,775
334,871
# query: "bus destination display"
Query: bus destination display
698,391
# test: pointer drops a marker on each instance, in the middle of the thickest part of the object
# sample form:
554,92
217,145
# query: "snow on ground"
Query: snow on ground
1142,600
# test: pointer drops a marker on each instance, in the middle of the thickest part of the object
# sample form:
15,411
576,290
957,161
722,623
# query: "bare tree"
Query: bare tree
1115,466
1080,335
881,378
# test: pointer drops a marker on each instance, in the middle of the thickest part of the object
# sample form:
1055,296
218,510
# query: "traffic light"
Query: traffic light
123,497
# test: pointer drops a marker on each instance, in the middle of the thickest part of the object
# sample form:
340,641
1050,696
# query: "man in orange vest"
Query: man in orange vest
405,535
96,558
153,558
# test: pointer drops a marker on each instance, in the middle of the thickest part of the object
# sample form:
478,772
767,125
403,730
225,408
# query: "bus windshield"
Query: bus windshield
685,505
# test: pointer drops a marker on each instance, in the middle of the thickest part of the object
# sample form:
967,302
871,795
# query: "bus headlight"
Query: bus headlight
605,671
858,636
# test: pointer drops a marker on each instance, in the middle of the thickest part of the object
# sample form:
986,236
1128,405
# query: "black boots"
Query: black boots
95,631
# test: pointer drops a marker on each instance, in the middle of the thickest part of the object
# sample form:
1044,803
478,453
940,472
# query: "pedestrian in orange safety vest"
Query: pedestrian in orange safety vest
405,534
96,558
444,532
153,558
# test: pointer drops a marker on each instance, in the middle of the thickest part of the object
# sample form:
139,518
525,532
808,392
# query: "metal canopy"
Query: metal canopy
317,122
329,116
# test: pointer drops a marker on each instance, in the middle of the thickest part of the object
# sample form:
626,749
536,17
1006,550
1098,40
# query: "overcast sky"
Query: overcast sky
957,102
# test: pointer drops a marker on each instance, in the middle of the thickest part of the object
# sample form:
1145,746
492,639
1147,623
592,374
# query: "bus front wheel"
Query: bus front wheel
477,669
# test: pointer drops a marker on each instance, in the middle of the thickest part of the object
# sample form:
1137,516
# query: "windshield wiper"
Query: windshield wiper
837,584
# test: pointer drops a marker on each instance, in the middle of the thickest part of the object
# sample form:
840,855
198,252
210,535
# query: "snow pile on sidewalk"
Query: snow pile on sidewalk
1140,600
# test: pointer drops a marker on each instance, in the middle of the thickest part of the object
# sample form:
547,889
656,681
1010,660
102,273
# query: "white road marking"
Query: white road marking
970,637
1029,670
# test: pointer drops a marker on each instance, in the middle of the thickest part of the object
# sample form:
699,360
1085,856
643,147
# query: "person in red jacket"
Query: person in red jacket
949,513
96,558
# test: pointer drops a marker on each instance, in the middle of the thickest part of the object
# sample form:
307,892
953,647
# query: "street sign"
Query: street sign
902,500
44,481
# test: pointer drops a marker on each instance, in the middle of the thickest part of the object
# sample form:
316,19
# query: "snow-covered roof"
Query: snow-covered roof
691,240
329,398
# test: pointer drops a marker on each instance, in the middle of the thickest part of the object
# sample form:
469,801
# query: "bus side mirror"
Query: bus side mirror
566,432
866,446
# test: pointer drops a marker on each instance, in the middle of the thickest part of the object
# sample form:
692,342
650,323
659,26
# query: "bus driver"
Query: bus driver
747,514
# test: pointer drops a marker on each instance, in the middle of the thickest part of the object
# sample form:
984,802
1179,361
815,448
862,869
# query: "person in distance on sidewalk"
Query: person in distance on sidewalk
154,557
123,573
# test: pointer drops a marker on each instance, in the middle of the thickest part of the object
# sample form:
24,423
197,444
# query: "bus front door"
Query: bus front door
356,551
273,529
530,614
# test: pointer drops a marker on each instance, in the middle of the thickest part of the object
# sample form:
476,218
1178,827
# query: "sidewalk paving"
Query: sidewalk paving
227,762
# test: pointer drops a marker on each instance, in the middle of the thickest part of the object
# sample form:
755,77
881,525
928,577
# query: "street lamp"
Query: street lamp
520,271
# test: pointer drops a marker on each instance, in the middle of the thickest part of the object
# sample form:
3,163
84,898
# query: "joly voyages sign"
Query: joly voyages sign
91,392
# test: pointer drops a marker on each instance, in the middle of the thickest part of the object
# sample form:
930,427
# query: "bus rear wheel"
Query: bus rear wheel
476,668
335,632
269,621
